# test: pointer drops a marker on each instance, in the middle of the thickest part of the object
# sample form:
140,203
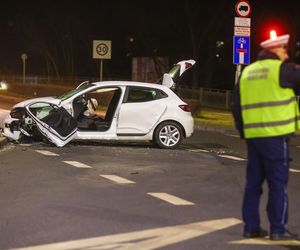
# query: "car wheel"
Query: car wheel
168,135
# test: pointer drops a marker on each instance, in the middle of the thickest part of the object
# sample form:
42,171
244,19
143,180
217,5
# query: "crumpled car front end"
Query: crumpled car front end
17,124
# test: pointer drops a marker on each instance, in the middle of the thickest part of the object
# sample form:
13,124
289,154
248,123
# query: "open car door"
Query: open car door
54,122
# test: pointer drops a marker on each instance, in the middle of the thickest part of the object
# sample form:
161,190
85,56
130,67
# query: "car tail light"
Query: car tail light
185,107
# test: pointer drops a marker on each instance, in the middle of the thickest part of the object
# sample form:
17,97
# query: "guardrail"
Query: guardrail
214,98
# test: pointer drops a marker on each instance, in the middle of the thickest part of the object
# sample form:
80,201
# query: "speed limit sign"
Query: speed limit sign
101,49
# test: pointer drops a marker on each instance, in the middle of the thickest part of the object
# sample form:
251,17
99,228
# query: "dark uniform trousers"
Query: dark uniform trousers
268,158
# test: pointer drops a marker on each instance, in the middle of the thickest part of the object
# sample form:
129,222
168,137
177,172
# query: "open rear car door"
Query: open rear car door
54,122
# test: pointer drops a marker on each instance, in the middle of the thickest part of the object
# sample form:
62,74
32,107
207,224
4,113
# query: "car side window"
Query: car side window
141,94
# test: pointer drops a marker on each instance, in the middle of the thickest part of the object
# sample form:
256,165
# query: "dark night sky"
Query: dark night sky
61,32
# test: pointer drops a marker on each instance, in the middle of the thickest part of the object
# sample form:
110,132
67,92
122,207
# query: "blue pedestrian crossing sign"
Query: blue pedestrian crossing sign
241,49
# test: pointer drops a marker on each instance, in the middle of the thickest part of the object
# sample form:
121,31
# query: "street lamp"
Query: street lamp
24,58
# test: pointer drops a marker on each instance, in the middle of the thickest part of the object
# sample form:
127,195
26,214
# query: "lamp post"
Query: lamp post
24,58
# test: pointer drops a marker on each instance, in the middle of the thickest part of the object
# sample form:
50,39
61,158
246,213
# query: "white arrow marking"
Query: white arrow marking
146,240
266,241
77,164
117,179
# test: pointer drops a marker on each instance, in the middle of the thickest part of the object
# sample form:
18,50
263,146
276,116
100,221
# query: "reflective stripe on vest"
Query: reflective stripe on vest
267,108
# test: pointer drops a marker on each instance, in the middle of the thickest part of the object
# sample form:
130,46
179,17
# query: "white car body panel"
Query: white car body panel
144,117
49,99
15,135
51,134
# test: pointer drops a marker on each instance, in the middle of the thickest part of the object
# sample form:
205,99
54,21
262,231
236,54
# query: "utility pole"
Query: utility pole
24,58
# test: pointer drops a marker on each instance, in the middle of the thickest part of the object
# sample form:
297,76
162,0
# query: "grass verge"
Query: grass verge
215,118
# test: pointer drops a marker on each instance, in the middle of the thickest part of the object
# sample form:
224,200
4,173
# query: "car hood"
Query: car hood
49,99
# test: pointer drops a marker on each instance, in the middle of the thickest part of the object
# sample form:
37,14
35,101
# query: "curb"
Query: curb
222,130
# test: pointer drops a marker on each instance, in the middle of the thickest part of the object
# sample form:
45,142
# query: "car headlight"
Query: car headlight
3,85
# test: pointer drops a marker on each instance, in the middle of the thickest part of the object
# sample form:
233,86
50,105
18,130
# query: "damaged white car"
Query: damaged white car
108,110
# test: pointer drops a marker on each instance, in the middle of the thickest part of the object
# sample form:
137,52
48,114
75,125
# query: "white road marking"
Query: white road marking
232,135
150,239
117,179
199,150
45,152
232,157
77,164
171,199
293,170
266,241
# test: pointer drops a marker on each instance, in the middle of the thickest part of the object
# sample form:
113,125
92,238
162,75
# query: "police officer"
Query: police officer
266,114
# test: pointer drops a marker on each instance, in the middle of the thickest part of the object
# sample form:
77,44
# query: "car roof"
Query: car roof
130,83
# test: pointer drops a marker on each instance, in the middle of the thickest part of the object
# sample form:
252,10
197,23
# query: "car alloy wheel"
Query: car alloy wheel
168,135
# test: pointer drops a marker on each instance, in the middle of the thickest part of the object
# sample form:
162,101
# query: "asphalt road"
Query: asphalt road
131,196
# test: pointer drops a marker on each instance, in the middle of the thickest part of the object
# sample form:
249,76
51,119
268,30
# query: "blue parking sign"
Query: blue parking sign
241,49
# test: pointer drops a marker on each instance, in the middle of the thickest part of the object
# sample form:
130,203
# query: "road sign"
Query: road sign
243,8
101,49
241,31
241,49
242,21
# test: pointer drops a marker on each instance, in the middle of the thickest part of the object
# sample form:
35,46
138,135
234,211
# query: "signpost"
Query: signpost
241,39
101,50
24,58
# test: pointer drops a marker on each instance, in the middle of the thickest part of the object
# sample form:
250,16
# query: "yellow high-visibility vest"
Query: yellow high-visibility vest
267,108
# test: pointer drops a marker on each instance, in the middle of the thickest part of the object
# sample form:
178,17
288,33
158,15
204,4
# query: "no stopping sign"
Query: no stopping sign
101,49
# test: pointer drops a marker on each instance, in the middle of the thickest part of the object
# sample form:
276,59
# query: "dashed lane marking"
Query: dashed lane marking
171,199
45,152
232,157
117,179
293,170
149,239
77,164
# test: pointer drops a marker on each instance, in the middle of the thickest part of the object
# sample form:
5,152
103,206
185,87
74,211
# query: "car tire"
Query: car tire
168,135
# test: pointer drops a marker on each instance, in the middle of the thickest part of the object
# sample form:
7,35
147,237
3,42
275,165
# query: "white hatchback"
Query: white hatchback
108,110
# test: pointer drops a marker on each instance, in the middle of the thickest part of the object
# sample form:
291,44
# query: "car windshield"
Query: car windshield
74,91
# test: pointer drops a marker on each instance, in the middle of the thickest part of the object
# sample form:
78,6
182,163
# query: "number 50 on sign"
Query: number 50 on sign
101,49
